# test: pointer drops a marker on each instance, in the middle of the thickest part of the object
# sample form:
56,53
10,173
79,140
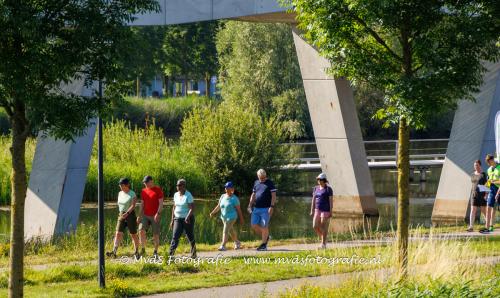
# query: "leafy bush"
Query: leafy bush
231,142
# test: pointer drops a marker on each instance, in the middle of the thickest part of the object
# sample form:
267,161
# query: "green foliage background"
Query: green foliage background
231,142
259,67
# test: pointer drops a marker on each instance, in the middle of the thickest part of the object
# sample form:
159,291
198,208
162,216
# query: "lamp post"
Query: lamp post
100,198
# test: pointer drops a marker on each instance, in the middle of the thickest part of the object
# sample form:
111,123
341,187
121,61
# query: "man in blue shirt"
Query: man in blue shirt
261,206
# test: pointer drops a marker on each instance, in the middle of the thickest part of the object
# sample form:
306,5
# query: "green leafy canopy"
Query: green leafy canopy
424,54
45,44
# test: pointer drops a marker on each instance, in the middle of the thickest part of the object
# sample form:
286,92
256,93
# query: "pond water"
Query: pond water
291,218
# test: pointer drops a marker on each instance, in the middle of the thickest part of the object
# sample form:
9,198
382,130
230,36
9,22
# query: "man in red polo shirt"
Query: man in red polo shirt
150,213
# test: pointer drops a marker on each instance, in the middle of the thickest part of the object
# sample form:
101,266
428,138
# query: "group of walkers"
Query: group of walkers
261,207
485,193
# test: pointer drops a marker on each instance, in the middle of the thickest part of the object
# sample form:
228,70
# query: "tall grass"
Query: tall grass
6,165
4,122
166,113
129,152
439,267
135,152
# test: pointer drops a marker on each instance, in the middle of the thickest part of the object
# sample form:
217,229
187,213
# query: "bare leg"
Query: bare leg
325,222
156,240
472,216
317,225
265,234
492,220
142,234
257,229
483,212
118,240
135,239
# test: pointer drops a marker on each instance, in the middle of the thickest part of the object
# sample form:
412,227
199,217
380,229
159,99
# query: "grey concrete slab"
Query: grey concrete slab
57,179
337,133
472,137
187,11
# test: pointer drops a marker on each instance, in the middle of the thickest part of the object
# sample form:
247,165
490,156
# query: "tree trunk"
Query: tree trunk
137,88
18,197
185,87
207,87
403,195
167,86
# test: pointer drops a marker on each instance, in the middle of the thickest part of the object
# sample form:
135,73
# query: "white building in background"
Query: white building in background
156,87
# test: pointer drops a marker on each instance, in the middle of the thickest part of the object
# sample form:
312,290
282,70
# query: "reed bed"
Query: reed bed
129,152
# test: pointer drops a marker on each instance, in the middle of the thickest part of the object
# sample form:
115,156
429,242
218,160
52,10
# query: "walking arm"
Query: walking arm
216,209
312,207
141,211
172,219
273,201
190,212
240,214
130,209
251,202
160,207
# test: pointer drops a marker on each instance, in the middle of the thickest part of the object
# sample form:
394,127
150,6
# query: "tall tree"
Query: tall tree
44,44
144,59
259,66
190,52
424,55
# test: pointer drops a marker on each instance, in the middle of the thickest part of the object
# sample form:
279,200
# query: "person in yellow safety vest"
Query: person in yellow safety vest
493,196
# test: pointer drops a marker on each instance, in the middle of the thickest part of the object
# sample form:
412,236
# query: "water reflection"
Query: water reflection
290,220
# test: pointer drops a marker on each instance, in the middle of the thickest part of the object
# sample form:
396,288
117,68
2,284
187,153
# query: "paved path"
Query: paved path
275,287
288,248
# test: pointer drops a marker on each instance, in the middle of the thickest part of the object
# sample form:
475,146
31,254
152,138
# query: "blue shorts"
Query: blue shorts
260,216
491,196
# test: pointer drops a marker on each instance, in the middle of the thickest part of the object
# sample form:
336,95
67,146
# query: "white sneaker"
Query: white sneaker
222,248
323,246
237,245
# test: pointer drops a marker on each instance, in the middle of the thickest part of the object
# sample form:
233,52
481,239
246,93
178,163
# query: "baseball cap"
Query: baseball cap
124,181
229,184
321,176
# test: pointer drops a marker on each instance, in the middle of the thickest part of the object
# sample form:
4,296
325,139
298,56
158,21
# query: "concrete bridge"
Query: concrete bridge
59,169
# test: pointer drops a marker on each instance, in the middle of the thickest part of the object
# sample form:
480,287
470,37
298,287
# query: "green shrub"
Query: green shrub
231,142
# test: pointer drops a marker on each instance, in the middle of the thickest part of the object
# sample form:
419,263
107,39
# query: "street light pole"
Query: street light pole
100,198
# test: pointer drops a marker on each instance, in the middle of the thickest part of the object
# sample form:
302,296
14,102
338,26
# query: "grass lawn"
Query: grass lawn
82,246
141,278
475,281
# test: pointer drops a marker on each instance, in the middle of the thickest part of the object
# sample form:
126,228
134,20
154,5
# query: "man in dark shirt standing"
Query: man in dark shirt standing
261,206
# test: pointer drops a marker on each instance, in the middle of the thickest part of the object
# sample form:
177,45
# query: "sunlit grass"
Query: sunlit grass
445,260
